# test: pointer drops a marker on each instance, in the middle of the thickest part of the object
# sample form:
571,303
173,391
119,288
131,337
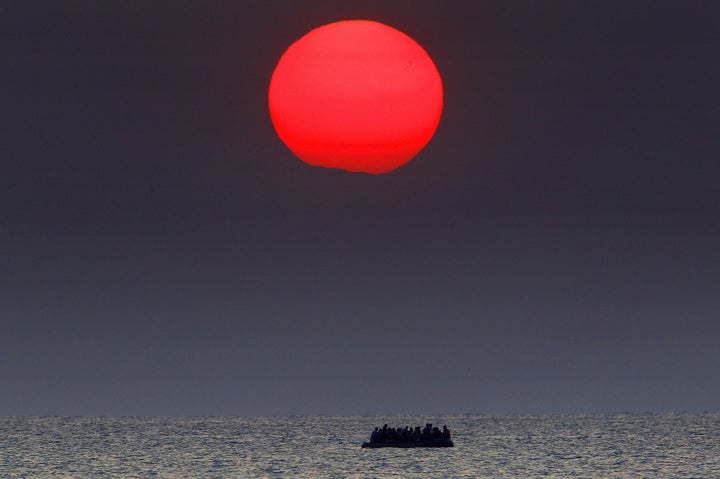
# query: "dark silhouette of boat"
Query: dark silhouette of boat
429,443
406,437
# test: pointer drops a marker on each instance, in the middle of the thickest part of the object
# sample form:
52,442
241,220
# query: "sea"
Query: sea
634,446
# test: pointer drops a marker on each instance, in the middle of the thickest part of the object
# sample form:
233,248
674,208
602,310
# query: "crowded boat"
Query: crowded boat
429,436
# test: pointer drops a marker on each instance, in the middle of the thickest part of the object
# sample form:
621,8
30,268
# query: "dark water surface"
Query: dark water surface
577,446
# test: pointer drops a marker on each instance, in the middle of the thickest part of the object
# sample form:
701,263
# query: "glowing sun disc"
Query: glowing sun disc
356,95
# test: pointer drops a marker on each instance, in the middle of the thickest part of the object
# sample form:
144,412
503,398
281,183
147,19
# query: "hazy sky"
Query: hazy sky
555,248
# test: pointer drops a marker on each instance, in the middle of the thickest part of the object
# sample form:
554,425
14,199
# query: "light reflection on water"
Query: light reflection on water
602,446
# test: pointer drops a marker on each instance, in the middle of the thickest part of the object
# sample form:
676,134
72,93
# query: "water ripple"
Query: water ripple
676,446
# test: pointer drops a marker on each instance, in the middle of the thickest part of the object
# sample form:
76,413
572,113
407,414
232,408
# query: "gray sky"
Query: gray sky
553,249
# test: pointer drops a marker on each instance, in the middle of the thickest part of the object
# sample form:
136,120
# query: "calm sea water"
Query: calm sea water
592,446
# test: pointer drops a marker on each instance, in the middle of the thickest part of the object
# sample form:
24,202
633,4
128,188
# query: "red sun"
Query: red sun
356,95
